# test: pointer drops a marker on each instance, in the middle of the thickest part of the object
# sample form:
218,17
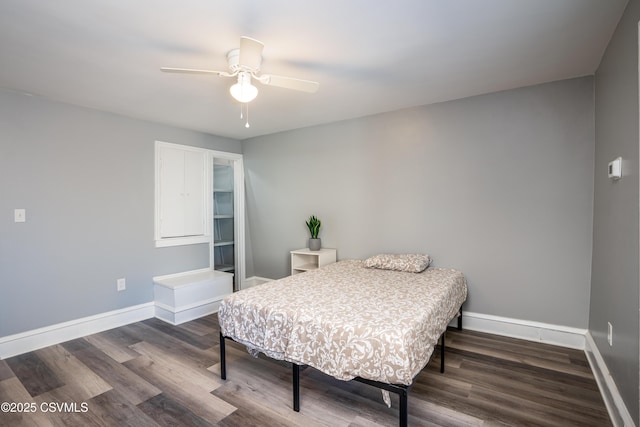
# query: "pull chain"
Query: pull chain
242,115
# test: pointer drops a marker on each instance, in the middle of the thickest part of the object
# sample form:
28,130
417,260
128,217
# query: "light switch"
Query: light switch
20,215
615,169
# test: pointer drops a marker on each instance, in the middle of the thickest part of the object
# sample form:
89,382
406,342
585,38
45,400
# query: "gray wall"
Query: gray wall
86,180
614,282
498,186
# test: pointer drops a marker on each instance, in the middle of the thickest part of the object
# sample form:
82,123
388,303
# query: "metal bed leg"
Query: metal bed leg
223,359
442,354
404,407
403,394
296,387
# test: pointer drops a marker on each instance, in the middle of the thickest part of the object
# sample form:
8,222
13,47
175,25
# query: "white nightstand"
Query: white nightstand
304,259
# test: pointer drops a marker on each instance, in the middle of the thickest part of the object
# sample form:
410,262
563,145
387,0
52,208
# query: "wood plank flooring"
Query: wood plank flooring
153,374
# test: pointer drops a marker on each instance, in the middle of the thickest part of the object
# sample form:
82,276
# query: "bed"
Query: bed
350,321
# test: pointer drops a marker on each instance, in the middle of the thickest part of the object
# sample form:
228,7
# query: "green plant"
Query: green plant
314,226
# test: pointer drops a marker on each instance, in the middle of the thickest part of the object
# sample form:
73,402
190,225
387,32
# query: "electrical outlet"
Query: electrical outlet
610,334
121,284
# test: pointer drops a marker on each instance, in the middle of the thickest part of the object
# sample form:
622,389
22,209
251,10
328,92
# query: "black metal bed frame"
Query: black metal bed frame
401,389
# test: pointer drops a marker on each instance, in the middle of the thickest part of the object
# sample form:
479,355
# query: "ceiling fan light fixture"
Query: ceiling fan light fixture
244,63
244,91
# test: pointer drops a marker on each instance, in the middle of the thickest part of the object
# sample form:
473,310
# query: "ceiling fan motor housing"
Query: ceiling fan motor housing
233,60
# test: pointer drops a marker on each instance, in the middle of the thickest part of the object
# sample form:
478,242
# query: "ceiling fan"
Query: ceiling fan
244,63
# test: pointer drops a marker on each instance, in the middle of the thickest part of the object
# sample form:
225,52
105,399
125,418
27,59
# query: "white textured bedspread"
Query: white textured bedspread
347,320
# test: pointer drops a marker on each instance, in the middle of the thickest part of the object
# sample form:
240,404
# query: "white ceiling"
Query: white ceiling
369,56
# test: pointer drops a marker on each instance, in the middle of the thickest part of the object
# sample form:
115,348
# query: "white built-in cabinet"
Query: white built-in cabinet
181,195
200,199
186,296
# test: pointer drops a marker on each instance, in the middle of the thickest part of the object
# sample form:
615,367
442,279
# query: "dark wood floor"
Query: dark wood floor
151,373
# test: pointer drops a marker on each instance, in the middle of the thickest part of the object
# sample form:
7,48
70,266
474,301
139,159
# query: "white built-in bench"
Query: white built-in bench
186,296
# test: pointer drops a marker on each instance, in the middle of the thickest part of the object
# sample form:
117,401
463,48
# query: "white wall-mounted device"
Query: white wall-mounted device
615,168
20,215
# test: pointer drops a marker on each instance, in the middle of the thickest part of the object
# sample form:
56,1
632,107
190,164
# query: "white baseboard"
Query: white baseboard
618,412
564,336
25,342
254,281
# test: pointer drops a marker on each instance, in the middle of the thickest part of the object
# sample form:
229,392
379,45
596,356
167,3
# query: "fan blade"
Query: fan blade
250,53
192,71
290,83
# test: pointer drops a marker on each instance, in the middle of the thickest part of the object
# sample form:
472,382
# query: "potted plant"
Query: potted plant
314,228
